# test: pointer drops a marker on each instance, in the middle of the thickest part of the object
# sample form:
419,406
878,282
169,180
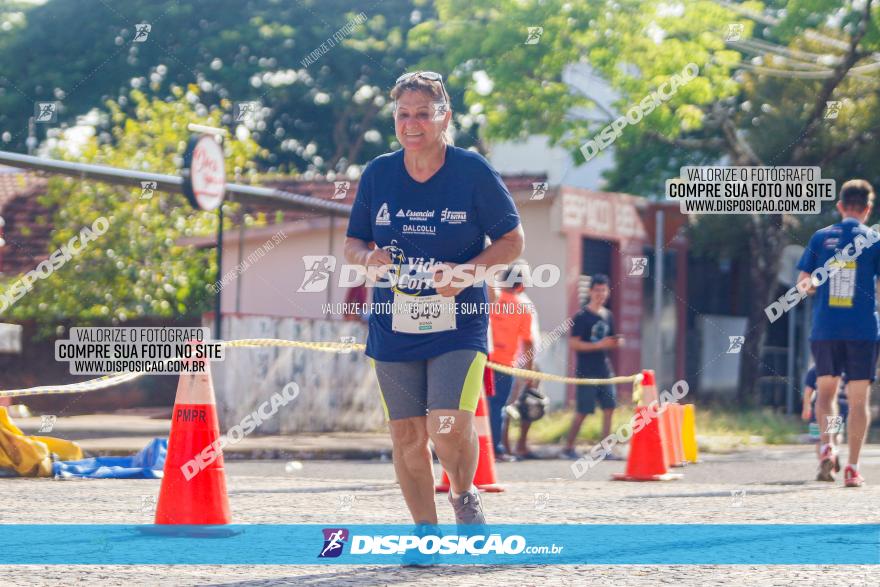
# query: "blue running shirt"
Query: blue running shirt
444,219
844,306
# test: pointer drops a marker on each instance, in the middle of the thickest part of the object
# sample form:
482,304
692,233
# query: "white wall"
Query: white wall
269,286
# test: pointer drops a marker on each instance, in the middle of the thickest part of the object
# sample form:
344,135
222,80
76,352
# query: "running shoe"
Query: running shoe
828,462
413,557
468,509
571,454
852,478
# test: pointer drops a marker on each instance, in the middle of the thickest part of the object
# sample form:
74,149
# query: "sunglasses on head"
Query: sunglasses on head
431,76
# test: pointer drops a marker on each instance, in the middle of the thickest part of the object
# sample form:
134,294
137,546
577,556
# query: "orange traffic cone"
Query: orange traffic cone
673,453
645,461
194,484
484,478
677,411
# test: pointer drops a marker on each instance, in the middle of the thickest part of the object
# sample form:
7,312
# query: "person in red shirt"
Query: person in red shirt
511,326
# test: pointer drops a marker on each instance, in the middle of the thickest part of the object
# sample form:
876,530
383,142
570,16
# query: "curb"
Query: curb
232,454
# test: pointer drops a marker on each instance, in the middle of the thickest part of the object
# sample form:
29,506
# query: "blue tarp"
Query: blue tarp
147,464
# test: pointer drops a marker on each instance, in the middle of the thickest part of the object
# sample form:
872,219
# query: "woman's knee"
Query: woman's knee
409,433
450,429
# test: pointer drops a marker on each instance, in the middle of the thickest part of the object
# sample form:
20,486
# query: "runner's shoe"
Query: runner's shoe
852,478
828,462
413,557
570,454
468,509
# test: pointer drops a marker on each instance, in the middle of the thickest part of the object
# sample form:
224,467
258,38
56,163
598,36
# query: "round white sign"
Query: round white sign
207,173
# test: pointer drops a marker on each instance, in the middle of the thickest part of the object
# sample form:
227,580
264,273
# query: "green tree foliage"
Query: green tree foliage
138,267
759,100
321,116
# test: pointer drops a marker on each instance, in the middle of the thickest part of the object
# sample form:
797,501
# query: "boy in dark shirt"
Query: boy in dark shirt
592,336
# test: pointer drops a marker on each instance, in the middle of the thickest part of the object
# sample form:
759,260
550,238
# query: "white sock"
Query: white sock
855,466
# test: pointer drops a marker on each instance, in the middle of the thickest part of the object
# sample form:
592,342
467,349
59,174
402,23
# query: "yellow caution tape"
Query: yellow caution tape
331,347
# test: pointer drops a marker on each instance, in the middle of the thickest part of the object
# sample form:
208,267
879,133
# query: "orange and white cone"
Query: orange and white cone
484,478
194,484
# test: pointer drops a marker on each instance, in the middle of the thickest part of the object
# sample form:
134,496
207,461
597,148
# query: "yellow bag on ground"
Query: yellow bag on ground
31,456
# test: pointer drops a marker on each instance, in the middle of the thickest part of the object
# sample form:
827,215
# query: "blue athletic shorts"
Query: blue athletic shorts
587,395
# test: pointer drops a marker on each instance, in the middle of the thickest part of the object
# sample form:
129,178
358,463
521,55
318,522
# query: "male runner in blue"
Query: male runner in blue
845,321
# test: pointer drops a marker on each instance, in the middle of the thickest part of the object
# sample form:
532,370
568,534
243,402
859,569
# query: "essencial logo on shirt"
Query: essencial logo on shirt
415,215
383,218
422,229
453,216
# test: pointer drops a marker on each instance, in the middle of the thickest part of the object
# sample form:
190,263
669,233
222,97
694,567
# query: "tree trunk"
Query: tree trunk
766,241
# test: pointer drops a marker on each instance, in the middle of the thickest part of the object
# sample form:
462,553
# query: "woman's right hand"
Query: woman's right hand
377,263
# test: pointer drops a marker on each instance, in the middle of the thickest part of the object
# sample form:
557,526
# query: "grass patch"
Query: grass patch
716,428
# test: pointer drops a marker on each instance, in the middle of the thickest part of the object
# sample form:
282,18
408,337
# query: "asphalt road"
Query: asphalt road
758,486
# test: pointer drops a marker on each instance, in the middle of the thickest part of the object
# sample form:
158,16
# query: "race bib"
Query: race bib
423,314
842,285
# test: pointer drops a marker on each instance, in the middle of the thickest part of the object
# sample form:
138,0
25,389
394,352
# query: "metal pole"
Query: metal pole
792,380
330,252
240,279
246,194
218,319
658,294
